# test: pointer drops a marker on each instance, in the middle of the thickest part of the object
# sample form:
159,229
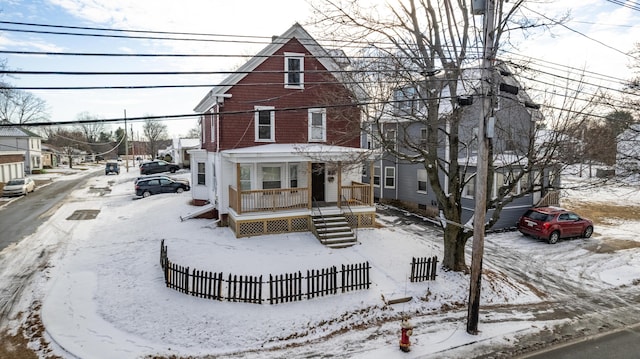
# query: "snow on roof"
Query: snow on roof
189,142
292,151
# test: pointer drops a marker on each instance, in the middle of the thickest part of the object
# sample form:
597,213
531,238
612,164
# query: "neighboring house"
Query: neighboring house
11,165
179,151
18,139
50,156
406,184
279,138
628,152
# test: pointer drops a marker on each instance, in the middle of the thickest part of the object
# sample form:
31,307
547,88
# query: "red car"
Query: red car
553,223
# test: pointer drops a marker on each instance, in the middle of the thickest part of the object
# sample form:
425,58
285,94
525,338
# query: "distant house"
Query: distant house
407,184
279,138
50,156
179,151
15,138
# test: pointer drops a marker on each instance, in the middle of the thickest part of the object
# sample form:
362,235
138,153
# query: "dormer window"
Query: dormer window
293,70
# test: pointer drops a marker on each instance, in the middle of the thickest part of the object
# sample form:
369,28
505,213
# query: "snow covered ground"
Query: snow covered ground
102,294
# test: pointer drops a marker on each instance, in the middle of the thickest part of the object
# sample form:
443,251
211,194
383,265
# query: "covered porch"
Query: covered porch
278,189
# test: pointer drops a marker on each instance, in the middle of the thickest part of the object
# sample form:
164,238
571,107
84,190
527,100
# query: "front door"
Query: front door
317,181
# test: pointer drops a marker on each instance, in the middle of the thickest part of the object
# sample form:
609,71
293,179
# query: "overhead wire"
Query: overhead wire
86,73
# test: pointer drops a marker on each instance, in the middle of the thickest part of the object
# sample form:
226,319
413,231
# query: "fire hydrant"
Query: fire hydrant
406,329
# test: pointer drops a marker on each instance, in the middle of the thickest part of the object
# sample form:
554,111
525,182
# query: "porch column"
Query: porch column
339,184
238,189
371,183
309,176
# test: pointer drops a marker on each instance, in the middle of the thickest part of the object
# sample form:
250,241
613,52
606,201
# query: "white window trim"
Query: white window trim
214,117
422,173
322,111
299,56
392,176
373,175
272,115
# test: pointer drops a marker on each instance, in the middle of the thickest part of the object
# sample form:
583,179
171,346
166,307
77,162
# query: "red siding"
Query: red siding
265,87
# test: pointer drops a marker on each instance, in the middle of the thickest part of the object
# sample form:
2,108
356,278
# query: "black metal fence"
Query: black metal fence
282,288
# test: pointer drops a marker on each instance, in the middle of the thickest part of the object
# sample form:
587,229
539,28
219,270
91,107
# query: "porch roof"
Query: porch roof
291,152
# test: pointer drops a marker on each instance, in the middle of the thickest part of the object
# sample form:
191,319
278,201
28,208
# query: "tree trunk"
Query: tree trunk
455,239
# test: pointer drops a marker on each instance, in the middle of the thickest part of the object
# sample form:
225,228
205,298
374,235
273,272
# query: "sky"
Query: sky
101,293
595,39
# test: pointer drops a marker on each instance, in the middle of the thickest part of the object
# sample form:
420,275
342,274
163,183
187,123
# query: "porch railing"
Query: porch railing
279,199
358,194
552,198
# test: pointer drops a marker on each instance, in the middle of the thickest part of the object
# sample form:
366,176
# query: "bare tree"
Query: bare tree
155,131
414,69
21,107
70,142
91,127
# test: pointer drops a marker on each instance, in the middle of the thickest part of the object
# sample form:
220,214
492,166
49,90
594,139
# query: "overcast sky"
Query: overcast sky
596,39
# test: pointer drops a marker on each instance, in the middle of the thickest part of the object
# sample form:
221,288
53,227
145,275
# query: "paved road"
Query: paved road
599,323
24,215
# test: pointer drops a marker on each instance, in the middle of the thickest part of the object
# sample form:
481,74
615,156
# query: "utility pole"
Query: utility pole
126,142
482,163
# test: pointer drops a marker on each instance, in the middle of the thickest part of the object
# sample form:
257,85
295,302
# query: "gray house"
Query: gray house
18,139
405,183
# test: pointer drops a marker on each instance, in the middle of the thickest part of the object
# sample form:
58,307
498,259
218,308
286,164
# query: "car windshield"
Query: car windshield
537,216
15,182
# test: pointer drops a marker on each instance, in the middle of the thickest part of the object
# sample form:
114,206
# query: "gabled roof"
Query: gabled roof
296,31
15,131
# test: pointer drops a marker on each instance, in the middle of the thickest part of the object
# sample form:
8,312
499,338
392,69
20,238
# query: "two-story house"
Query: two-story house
17,139
280,143
513,132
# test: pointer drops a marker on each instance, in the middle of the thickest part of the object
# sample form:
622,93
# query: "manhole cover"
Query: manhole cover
83,214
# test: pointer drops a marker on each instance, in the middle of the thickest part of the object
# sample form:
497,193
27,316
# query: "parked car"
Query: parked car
18,187
158,166
153,176
553,223
147,187
112,167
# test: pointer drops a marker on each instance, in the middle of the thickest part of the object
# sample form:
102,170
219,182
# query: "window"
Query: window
265,124
201,173
391,139
376,176
422,181
293,176
389,177
293,70
469,189
406,100
270,177
245,177
317,125
423,138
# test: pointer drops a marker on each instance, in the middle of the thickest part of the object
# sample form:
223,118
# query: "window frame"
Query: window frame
323,126
387,177
376,175
201,175
288,72
262,177
272,123
421,174
245,181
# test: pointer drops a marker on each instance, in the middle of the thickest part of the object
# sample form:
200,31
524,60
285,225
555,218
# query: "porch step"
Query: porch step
333,230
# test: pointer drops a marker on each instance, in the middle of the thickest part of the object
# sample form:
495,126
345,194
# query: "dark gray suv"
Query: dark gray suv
158,166
155,185
112,167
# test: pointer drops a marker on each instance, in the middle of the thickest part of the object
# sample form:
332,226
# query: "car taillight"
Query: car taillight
546,225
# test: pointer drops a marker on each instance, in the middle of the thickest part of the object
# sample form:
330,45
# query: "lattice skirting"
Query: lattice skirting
258,227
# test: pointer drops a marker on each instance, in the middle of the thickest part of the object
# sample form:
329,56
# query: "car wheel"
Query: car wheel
554,237
146,194
173,170
587,232
179,190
